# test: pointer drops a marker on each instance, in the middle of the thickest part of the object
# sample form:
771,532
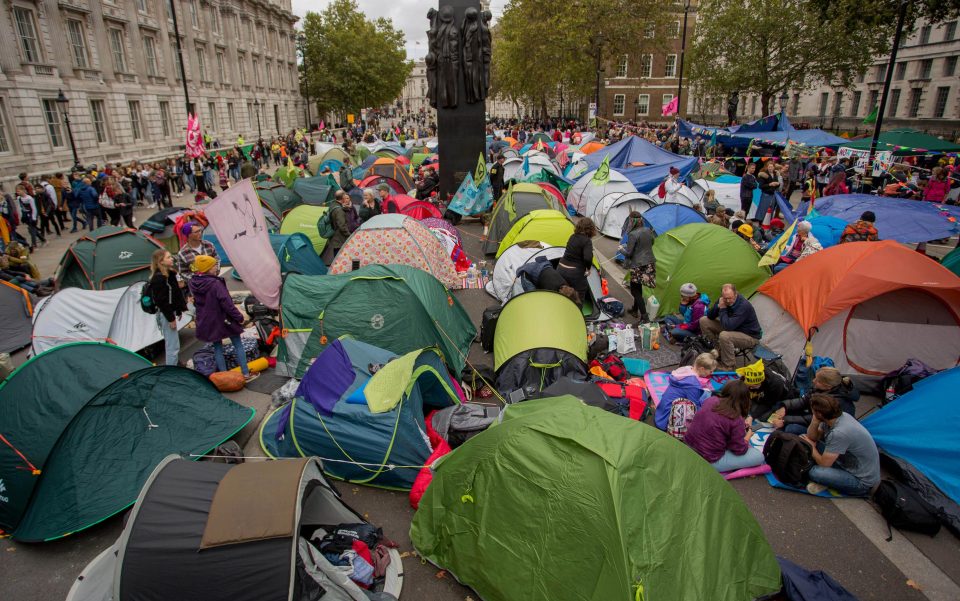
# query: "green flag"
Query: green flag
481,171
602,176
872,117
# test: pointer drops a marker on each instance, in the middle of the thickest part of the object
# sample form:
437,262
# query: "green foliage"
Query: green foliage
352,62
767,47
871,13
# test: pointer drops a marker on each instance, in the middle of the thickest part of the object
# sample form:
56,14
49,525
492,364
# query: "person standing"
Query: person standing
577,257
748,183
341,226
122,206
47,204
639,262
388,204
29,216
216,316
165,291
769,184
194,247
496,178
370,206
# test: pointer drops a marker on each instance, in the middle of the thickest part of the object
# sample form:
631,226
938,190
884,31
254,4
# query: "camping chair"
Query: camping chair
750,355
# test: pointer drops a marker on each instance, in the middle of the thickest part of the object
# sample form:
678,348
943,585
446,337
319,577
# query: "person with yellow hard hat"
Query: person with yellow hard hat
768,389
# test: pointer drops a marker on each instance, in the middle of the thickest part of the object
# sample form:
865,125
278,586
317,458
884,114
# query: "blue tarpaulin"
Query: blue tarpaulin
643,163
775,129
665,217
898,219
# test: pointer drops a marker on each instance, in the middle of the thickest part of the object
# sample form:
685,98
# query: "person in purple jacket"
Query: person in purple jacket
216,316
686,321
720,431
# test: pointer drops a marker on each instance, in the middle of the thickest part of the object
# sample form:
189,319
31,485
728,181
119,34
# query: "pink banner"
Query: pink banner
194,147
237,219
670,108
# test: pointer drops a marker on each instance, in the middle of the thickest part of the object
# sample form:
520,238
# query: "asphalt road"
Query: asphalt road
810,531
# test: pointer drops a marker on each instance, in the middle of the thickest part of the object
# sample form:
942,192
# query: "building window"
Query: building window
263,36
619,100
118,51
861,77
165,119
837,102
236,28
215,19
99,117
177,66
250,116
824,99
915,95
894,102
135,120
646,65
674,30
940,106
926,68
643,104
4,129
878,73
143,6
901,71
202,63
874,100
194,14
925,34
250,38
796,103
753,105
622,66
212,109
231,117
949,31
221,67
51,114
269,69
855,103
670,68
27,32
667,98
242,65
650,31
150,52
256,73
78,43
950,66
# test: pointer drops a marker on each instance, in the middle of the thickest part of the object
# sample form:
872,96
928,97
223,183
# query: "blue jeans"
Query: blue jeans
670,325
192,182
840,480
238,348
795,429
766,202
171,340
731,462
780,267
90,215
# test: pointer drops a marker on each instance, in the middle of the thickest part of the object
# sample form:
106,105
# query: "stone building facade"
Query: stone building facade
116,63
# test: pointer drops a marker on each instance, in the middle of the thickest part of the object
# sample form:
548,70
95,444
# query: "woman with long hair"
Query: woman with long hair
720,430
578,257
639,261
164,290
837,185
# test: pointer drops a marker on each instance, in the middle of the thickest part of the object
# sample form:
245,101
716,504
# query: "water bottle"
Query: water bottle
472,276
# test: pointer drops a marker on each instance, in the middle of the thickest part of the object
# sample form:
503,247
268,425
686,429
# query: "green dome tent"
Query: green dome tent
303,220
551,227
589,506
107,258
516,202
707,255
278,198
952,261
332,152
317,190
79,448
394,307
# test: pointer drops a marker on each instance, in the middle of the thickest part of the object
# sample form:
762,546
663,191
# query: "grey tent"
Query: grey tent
204,531
16,309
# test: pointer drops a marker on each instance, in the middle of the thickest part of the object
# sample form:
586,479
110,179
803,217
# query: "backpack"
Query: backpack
681,414
901,381
662,190
789,458
325,225
611,306
693,346
612,364
903,508
488,326
146,301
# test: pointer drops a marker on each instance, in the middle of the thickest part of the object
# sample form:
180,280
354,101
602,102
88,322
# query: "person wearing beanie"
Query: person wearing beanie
216,315
669,190
194,247
685,323
861,230
768,389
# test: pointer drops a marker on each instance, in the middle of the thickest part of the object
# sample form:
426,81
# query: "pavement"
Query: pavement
843,537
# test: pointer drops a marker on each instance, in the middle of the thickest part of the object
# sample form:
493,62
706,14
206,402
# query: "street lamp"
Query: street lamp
636,109
302,46
598,40
62,102
256,103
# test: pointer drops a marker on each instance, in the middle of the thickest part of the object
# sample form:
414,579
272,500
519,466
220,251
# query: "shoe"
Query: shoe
250,378
815,488
634,312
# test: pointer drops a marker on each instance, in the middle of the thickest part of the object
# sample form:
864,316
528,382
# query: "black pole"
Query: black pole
259,131
683,49
901,17
73,145
596,98
183,71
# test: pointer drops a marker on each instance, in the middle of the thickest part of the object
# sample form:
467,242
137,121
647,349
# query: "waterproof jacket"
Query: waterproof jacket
216,316
798,410
738,317
88,196
341,226
683,383
638,250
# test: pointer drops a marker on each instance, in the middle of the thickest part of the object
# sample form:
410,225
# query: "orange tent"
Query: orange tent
511,141
591,147
869,306
390,168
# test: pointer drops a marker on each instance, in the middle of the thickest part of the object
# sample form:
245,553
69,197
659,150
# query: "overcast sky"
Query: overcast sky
410,16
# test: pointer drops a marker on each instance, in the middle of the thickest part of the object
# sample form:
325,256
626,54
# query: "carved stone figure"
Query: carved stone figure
431,58
472,56
448,59
486,43
732,102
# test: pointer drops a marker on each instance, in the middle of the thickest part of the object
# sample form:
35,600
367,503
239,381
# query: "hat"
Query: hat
674,171
752,375
777,223
746,229
868,216
203,264
688,289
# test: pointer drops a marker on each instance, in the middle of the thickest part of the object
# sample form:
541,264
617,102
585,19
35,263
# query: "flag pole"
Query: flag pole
172,4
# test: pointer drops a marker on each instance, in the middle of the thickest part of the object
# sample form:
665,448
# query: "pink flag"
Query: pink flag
237,219
194,137
670,108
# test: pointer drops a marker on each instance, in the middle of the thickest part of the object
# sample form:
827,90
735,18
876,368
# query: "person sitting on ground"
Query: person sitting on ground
845,456
194,247
578,257
690,382
767,387
639,262
732,324
720,430
746,232
794,415
686,321
216,315
388,204
18,259
710,203
861,230
803,245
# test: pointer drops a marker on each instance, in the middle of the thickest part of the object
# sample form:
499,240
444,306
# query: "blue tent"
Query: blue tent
664,217
361,171
643,163
330,416
332,164
295,252
906,430
898,219
775,129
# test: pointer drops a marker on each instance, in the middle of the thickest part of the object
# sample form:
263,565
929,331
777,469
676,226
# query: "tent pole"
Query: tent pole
901,17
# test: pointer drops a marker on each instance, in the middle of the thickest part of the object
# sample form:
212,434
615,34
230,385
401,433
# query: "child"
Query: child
690,382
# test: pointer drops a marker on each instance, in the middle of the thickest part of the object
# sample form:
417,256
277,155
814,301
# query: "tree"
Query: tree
767,47
352,62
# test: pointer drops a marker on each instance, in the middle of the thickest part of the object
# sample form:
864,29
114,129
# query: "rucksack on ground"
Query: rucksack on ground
693,346
901,381
488,326
681,414
904,509
612,364
789,458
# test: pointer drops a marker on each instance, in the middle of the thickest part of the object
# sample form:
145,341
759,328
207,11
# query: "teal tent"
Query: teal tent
84,424
317,190
350,432
561,501
294,251
952,261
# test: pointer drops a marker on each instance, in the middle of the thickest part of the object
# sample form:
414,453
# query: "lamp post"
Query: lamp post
256,103
683,48
62,102
598,40
886,89
783,101
302,46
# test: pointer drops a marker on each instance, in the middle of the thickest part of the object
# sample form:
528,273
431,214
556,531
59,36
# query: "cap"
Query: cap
753,374
746,229
868,216
688,289
203,264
